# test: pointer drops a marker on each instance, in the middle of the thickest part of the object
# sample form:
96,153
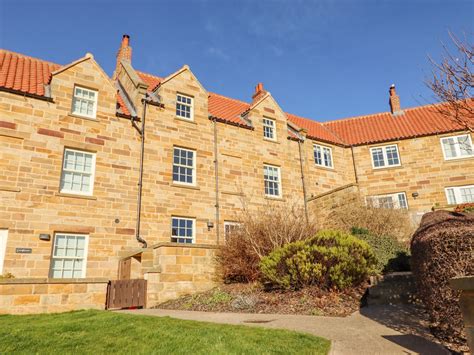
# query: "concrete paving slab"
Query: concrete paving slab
372,330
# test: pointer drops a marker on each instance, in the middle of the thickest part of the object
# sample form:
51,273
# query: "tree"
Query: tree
452,82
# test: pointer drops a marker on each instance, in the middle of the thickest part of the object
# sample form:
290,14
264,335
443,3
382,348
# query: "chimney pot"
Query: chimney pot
125,40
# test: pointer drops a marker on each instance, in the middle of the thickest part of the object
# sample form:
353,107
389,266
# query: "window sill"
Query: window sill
93,119
387,167
274,198
324,167
271,140
458,158
82,197
185,120
192,187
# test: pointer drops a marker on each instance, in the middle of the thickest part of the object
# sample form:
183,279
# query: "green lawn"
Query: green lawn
108,332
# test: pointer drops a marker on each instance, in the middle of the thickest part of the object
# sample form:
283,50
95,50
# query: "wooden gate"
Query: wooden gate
126,294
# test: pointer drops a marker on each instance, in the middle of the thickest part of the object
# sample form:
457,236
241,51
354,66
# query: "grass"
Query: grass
108,332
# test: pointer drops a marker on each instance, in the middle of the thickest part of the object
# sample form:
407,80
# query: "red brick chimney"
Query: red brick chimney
259,92
124,52
394,101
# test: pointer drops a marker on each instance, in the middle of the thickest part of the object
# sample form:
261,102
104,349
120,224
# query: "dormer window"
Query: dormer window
269,129
84,102
184,107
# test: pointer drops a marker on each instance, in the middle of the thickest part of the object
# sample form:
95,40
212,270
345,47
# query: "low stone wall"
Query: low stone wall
27,296
179,270
321,206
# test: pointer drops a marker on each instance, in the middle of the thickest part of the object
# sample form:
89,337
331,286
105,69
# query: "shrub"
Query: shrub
261,232
391,254
353,212
331,259
441,249
465,207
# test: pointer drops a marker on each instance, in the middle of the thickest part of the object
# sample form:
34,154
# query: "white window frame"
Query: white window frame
193,183
385,158
394,196
456,147
193,237
230,224
94,107
457,193
84,258
323,147
92,174
269,123
279,181
191,107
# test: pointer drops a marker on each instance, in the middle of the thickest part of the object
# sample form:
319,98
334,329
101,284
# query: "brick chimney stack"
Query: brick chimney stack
259,92
124,52
394,101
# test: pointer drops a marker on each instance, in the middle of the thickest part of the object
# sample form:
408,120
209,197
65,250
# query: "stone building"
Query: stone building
70,167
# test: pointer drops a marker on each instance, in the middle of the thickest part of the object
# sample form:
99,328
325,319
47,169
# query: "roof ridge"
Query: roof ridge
29,57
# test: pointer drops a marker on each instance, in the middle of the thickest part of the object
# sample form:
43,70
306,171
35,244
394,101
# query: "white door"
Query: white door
3,247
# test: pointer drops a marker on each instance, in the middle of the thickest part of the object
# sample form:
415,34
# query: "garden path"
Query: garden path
372,330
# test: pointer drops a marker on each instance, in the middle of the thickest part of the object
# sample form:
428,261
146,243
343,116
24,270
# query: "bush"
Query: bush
391,254
353,212
331,259
441,249
261,232
465,207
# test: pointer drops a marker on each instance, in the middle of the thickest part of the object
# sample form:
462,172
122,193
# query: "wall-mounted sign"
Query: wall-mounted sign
23,250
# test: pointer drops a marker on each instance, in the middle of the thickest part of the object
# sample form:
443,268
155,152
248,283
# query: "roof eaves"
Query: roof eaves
223,120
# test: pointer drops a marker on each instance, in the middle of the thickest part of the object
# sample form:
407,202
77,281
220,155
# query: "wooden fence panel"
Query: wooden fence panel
126,294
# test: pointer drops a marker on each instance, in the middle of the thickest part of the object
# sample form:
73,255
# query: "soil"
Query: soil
252,298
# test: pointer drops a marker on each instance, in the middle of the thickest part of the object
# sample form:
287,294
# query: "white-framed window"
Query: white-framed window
396,200
184,107
69,256
272,180
184,166
183,230
322,155
77,176
269,131
229,228
457,147
385,156
459,194
84,102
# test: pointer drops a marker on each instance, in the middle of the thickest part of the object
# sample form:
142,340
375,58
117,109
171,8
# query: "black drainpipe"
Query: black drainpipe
140,179
303,182
216,168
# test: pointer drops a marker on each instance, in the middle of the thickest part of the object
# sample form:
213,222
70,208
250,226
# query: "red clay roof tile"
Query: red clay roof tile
25,74
29,75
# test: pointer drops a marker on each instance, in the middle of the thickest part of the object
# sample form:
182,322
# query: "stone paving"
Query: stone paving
373,330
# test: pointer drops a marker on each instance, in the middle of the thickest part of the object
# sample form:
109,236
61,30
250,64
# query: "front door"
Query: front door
3,247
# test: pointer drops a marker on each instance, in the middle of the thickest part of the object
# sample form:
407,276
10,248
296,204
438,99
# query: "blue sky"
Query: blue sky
319,59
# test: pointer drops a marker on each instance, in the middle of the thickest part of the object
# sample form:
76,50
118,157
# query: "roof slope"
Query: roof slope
25,74
381,127
29,75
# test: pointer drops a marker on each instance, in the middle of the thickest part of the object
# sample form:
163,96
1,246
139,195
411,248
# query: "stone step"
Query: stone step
396,288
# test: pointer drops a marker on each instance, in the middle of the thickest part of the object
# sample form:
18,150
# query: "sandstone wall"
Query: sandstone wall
27,296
